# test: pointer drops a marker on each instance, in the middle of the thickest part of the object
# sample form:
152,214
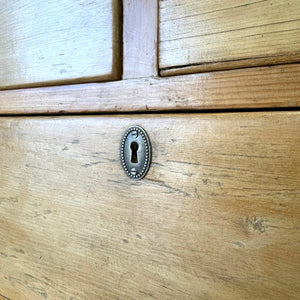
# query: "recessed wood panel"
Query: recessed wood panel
216,217
54,42
224,34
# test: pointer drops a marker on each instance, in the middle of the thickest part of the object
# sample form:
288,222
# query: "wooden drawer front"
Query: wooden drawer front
220,34
216,217
50,42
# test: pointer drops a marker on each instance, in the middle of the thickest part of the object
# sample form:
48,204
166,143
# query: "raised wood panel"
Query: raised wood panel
223,34
276,86
216,217
55,42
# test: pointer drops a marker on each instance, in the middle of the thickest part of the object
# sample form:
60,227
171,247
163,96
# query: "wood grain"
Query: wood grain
277,86
217,216
218,34
140,38
230,65
55,42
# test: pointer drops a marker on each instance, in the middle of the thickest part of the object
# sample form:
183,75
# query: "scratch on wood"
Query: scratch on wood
147,294
1,296
231,30
172,189
19,250
239,244
29,275
3,254
39,291
9,199
92,164
197,194
214,11
225,278
256,224
183,162
206,181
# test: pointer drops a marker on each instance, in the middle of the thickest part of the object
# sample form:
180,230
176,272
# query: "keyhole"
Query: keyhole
134,148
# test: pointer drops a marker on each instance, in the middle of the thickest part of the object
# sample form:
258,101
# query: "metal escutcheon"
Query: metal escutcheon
135,152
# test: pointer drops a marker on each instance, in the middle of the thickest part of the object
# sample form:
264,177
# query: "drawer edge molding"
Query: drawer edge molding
260,87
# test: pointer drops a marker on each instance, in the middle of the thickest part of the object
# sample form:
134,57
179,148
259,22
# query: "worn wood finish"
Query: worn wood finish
277,86
218,34
218,66
55,42
140,38
217,216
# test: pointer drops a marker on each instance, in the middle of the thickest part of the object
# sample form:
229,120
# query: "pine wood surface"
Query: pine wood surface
276,86
219,66
216,217
140,38
222,34
55,42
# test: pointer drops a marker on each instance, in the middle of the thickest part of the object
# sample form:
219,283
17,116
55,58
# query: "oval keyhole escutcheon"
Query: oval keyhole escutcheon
135,152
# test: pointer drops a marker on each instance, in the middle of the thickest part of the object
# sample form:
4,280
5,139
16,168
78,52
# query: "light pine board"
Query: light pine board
54,42
222,34
140,22
217,216
275,86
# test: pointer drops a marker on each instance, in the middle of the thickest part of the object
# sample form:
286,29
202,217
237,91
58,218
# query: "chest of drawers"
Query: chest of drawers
217,215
